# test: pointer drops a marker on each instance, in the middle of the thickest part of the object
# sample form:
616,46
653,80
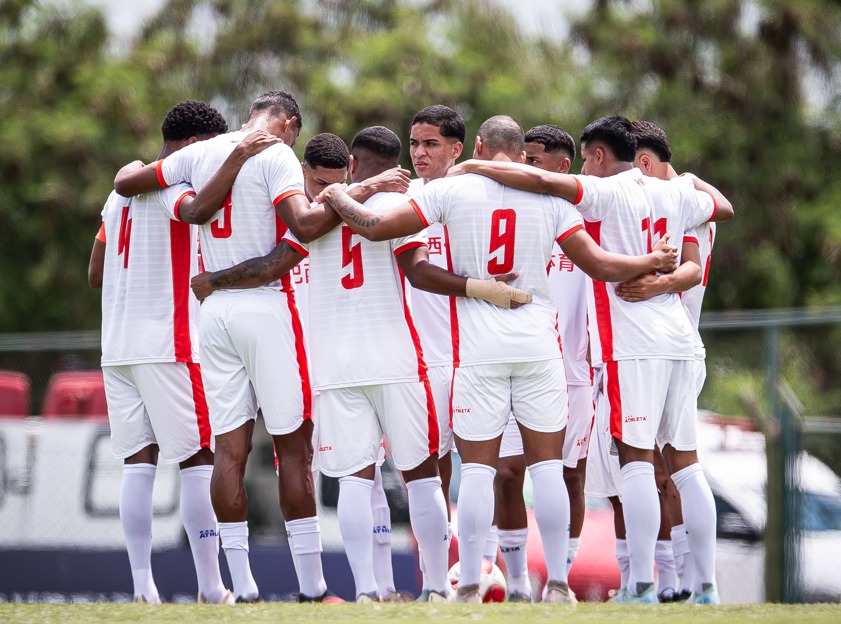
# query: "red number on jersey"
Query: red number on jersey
221,227
125,236
352,276
503,228
659,230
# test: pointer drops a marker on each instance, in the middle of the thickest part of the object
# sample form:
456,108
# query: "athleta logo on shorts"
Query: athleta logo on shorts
461,410
630,419
381,528
510,549
208,533
581,441
322,449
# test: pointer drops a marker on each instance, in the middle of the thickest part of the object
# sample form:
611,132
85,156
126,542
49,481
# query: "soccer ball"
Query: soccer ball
492,585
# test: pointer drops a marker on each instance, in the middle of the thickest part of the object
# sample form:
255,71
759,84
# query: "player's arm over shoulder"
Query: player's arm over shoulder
524,177
723,209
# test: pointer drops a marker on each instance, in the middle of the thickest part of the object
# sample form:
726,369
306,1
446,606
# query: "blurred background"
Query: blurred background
748,91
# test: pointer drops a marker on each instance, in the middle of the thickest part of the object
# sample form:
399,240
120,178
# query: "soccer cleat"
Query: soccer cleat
559,593
367,598
468,594
253,600
667,595
683,595
228,598
438,597
394,596
424,596
516,596
707,597
327,597
618,595
649,596
145,600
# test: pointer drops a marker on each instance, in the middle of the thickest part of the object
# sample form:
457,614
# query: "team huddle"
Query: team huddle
528,318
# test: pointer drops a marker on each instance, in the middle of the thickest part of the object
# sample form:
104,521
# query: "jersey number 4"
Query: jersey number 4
221,227
352,275
503,232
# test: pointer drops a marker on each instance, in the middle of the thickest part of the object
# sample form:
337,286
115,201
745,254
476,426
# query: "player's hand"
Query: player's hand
665,255
394,180
324,196
639,289
459,169
255,142
201,286
507,278
497,292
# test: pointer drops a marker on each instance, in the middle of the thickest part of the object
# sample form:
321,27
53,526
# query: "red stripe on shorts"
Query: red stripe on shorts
614,396
431,418
202,413
300,353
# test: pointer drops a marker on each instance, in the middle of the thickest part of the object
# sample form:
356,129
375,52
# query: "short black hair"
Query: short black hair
553,139
277,103
448,121
192,118
327,150
616,133
380,141
653,137
502,133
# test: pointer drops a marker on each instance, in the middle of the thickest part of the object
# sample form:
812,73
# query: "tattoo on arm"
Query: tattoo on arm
355,212
257,271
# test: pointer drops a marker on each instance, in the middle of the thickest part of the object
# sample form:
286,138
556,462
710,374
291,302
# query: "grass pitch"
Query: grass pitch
421,614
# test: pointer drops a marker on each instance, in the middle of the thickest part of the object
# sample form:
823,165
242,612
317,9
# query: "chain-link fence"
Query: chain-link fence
771,402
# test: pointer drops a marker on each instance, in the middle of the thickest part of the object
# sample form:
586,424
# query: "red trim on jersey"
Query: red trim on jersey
178,203
300,351
297,247
413,332
709,257
453,312
558,332
407,247
569,232
715,208
602,301
614,396
100,235
431,419
419,212
580,195
180,249
286,195
160,173
690,239
200,403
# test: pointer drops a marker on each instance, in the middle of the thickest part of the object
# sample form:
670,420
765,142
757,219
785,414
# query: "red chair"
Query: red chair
75,394
14,394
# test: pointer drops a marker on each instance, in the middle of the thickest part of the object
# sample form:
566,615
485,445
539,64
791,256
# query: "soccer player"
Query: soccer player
436,141
508,360
156,400
252,340
638,342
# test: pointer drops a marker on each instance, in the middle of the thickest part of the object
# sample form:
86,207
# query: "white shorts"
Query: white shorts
352,423
161,404
512,439
253,354
441,381
485,395
700,376
581,412
652,401
602,478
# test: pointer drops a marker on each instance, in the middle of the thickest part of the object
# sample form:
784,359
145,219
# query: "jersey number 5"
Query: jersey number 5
503,231
221,227
352,276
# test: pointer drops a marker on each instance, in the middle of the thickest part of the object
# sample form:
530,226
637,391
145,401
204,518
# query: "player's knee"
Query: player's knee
574,480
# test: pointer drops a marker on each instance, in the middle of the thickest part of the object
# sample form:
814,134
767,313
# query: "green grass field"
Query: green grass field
418,614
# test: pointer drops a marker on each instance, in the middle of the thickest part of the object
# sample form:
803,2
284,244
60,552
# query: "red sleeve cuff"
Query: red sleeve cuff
570,231
297,247
286,195
160,173
178,203
419,212
715,208
100,236
580,195
690,239
407,247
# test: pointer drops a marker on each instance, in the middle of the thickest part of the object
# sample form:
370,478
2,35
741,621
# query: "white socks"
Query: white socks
512,545
136,518
696,501
200,524
356,521
623,560
551,511
684,562
572,551
235,544
305,540
383,568
428,515
475,514
641,508
665,561
492,544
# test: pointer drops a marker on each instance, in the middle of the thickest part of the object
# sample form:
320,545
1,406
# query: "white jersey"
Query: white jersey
149,313
626,213
494,229
432,312
361,328
247,224
568,289
692,299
